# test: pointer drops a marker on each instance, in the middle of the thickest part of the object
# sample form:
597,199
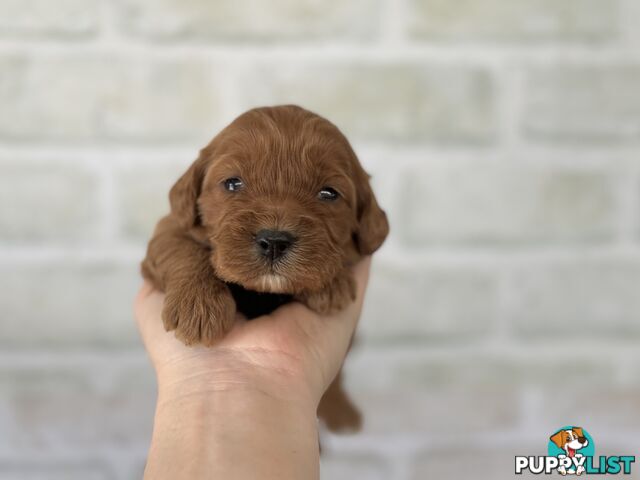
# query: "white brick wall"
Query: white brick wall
525,20
504,142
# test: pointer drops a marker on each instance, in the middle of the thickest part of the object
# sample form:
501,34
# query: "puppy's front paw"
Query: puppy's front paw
199,312
335,296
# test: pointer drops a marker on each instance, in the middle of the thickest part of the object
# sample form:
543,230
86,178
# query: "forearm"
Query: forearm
233,433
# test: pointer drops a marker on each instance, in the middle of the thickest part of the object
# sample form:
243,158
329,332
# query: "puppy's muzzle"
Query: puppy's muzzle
273,244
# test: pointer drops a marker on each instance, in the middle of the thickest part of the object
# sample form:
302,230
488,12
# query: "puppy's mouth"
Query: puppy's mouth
275,250
274,260
272,282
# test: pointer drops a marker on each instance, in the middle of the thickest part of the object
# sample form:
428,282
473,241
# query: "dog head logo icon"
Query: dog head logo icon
571,443
570,440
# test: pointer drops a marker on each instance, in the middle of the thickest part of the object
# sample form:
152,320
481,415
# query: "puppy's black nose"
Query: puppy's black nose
273,243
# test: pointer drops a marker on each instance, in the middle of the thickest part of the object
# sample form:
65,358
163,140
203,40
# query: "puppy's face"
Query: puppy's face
570,440
278,212
282,199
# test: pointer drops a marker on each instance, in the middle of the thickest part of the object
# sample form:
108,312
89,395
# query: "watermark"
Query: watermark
571,451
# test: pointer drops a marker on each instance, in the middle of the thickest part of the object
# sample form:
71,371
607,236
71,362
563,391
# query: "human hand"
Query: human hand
292,351
245,406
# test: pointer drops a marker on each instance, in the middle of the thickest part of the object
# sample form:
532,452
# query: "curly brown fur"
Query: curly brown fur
284,156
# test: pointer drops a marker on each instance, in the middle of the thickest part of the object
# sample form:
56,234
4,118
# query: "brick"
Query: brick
136,470
53,471
106,97
68,305
592,103
62,409
143,197
571,299
418,303
451,410
69,212
393,102
347,466
244,20
466,460
629,14
396,399
630,371
461,367
496,204
450,391
43,17
527,20
602,411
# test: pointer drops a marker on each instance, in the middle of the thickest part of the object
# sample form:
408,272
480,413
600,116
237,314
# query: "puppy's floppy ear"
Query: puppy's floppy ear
373,226
558,439
578,431
183,196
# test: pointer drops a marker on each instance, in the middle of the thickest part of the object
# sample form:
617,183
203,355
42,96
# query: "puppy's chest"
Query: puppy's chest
253,304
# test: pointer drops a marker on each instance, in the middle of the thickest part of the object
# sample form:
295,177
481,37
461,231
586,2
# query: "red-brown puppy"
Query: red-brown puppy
277,203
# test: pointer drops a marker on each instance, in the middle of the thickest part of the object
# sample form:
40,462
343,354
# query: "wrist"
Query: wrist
207,423
206,374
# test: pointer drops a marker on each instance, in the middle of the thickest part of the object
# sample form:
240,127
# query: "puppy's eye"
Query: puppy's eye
328,193
233,184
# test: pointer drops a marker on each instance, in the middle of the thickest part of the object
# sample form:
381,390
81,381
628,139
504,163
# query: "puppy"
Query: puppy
570,440
275,208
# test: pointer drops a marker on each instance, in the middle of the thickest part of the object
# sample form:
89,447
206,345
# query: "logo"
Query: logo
571,451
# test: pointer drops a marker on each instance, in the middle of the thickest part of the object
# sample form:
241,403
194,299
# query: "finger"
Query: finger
361,272
333,333
350,316
145,290
148,311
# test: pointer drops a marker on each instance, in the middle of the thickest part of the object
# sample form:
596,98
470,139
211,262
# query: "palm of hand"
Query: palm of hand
292,344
